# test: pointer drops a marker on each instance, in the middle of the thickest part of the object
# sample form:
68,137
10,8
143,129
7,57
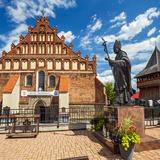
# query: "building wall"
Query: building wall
150,93
42,49
82,89
3,80
64,100
100,92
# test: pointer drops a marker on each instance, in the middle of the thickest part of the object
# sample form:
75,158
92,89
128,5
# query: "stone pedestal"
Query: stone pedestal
135,112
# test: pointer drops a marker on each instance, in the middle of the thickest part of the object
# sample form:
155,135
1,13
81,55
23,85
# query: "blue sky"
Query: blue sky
83,22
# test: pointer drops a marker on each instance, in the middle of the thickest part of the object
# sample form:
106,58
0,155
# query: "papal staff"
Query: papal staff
105,47
108,59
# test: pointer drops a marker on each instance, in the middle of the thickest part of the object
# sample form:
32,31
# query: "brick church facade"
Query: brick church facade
41,70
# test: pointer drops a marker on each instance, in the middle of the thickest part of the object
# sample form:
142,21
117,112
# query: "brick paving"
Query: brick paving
65,144
153,154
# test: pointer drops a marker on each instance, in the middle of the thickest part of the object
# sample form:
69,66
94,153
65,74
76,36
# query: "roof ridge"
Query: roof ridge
153,64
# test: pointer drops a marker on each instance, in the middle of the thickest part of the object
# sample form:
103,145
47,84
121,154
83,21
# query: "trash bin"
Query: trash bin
150,103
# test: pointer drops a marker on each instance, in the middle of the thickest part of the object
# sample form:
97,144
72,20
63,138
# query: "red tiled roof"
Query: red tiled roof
64,84
135,96
8,88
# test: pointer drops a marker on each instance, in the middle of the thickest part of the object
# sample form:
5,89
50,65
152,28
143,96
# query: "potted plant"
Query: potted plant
127,137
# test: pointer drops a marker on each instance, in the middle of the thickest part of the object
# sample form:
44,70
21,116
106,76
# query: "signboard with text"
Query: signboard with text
25,93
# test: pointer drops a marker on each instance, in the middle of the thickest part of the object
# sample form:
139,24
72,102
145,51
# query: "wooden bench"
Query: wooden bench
28,130
23,128
21,135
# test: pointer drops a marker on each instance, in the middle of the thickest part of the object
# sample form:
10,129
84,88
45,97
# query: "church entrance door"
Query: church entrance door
40,109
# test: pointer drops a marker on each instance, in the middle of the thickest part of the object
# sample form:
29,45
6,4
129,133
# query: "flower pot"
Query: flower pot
127,155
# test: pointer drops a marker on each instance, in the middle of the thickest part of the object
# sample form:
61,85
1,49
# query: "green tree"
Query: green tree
110,92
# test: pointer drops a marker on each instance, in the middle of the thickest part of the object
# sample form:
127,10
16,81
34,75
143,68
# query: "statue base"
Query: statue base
119,113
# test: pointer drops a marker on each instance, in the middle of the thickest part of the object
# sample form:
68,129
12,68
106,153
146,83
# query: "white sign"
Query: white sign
25,93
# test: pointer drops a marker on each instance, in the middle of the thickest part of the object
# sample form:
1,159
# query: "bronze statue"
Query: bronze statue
121,68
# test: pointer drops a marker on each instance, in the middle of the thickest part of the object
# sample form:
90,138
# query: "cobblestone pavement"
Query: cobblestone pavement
65,144
150,154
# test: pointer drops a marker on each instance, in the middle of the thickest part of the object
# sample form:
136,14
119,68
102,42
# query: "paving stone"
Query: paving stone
65,144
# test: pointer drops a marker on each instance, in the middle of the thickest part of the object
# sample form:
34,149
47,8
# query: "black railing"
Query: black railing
54,114
74,115
152,116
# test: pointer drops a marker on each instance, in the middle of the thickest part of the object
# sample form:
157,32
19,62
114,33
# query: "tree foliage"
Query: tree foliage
110,92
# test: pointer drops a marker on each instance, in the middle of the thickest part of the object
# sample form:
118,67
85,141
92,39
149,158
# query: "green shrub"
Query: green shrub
98,123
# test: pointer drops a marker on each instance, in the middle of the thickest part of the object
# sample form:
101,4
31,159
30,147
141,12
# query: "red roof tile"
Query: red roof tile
8,88
135,96
64,84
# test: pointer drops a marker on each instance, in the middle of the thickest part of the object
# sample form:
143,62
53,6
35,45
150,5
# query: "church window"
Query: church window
52,81
31,37
43,49
64,51
48,48
35,48
51,50
41,83
63,109
31,49
40,50
29,80
52,37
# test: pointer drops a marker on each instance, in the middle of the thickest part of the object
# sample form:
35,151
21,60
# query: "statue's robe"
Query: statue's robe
121,68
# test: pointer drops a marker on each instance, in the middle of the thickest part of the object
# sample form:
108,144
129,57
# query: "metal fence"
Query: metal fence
152,116
57,116
53,114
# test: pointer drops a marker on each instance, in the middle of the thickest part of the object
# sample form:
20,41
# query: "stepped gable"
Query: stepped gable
42,43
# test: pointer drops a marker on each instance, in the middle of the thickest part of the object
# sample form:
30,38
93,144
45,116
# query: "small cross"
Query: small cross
43,13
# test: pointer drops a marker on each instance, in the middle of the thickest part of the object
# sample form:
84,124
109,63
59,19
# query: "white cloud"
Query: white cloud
119,20
20,11
141,50
138,67
87,39
106,76
121,17
96,26
118,24
130,30
13,36
85,42
69,36
151,32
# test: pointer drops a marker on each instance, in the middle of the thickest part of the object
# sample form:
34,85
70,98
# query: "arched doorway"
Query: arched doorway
40,109
41,82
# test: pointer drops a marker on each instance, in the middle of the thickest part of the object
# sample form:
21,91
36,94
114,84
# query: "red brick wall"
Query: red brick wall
100,96
82,89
